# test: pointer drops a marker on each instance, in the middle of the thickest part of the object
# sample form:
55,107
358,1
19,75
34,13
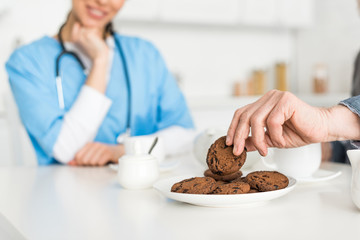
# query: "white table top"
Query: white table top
60,202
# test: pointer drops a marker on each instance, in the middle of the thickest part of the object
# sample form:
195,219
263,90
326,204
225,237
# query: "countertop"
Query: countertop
61,202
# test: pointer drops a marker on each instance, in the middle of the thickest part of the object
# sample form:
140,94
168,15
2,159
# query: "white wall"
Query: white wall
210,59
27,20
334,40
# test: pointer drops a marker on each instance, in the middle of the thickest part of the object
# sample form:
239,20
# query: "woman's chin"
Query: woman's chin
88,23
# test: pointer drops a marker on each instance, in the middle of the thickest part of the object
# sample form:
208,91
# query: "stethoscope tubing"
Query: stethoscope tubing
58,79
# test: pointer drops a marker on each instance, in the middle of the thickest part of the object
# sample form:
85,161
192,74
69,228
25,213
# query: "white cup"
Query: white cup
138,171
203,142
252,158
141,145
299,162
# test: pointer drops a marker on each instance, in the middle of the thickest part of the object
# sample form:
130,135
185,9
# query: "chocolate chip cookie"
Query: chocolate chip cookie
225,178
232,188
239,179
219,183
267,180
221,160
253,190
195,185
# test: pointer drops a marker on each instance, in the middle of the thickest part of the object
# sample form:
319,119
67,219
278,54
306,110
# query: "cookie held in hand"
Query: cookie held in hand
221,160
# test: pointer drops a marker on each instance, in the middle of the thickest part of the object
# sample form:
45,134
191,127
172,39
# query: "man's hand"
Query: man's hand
289,122
280,119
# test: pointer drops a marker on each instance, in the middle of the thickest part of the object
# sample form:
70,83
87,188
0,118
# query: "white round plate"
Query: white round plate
236,200
319,176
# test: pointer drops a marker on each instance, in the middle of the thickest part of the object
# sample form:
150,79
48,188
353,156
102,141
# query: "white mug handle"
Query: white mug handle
268,161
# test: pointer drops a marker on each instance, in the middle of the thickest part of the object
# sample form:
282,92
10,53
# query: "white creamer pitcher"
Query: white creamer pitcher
354,157
138,170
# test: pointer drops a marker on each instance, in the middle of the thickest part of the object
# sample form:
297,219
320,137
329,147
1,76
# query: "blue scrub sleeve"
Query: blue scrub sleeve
34,91
172,108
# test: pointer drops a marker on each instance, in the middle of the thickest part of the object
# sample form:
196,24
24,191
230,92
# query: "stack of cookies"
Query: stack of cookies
224,175
222,163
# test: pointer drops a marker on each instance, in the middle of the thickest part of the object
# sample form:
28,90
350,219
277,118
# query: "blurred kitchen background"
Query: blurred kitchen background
224,53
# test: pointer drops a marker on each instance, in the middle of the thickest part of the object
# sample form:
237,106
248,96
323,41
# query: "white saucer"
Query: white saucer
167,165
114,166
319,176
235,200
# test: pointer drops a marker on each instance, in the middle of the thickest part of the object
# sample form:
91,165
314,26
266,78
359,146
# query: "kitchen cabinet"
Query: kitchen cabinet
254,13
259,12
282,13
140,10
200,11
295,13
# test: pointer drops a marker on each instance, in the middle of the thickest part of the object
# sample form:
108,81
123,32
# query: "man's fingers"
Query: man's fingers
250,147
233,125
241,133
285,127
258,137
257,122
277,119
240,126
274,128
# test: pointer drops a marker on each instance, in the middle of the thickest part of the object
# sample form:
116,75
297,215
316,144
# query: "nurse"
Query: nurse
75,106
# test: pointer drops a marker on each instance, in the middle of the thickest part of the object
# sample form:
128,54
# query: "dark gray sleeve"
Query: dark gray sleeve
355,88
355,144
353,104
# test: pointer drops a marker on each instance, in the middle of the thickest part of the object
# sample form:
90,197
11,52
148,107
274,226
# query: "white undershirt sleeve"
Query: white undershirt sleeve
81,123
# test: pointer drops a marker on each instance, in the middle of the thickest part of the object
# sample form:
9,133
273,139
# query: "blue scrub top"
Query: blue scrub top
156,101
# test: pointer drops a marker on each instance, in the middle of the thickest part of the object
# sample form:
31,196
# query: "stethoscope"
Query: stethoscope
123,61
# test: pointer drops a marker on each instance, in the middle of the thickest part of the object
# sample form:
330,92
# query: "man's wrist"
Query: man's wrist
343,124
